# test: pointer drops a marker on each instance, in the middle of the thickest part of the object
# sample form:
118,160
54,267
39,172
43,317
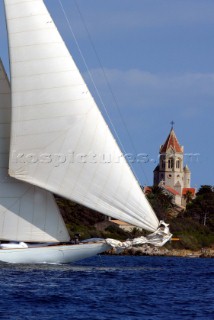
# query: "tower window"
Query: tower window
177,164
170,163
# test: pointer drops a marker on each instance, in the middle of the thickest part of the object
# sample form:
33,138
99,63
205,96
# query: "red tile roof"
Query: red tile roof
172,142
147,190
192,190
171,190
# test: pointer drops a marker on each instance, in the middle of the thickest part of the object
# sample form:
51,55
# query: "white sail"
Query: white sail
27,213
60,141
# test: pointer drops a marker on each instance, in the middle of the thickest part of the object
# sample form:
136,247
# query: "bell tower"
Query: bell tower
170,173
170,169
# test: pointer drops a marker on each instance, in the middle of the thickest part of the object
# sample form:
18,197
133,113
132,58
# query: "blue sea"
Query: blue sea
109,288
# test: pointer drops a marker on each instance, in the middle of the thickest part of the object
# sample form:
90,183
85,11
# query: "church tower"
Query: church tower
170,172
170,168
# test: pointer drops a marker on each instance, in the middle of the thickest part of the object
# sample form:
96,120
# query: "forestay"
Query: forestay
27,213
60,141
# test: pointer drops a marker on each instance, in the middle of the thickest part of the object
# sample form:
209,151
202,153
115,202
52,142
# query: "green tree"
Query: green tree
188,197
161,201
201,209
205,189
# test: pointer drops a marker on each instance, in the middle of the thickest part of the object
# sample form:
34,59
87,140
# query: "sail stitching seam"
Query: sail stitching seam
50,88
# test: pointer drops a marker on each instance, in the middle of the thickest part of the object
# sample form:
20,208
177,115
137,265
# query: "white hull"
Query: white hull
53,254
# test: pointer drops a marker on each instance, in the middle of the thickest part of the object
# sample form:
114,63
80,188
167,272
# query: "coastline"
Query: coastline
147,250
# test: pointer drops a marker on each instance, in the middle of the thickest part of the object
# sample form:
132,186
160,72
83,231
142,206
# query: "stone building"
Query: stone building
171,173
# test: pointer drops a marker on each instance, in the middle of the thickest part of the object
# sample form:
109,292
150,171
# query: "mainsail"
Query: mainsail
27,213
60,141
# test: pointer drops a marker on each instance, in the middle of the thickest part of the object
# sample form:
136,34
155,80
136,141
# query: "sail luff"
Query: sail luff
59,137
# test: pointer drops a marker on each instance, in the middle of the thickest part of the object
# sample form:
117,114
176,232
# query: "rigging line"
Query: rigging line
106,79
90,75
109,87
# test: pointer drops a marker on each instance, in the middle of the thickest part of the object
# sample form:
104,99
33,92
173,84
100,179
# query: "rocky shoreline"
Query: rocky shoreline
147,250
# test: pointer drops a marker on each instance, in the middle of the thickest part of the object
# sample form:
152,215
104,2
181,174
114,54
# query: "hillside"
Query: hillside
82,220
194,226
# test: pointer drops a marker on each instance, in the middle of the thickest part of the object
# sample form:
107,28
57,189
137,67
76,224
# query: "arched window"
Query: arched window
178,164
170,163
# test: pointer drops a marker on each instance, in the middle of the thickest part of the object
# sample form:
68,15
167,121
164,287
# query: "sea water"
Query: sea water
109,288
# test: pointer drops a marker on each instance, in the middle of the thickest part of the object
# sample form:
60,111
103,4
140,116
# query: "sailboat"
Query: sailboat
52,140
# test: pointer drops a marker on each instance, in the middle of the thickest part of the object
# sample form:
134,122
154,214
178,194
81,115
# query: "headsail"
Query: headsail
60,140
27,213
